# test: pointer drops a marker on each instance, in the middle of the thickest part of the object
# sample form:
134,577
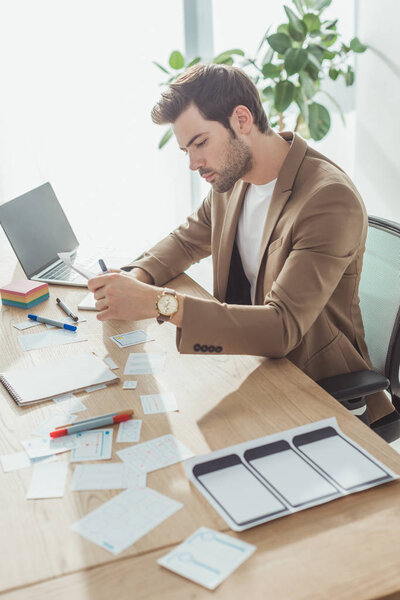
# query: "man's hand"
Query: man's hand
123,296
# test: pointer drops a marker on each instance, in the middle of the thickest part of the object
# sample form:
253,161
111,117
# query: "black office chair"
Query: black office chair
380,307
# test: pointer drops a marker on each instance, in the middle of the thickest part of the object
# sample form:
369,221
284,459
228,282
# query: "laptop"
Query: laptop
37,229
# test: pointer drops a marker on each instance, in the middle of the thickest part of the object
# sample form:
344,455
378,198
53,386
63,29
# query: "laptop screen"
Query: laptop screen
37,228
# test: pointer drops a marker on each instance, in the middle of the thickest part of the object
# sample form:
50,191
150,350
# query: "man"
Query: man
286,229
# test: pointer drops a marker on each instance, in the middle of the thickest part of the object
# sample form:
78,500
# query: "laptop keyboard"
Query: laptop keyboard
63,272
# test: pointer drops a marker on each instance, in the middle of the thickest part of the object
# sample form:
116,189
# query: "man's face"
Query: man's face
213,151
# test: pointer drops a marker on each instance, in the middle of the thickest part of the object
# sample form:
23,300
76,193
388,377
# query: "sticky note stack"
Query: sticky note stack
24,293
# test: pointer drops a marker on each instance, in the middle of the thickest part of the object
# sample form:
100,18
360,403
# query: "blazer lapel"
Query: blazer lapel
282,191
228,235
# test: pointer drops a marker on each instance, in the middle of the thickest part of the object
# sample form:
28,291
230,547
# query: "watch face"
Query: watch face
167,304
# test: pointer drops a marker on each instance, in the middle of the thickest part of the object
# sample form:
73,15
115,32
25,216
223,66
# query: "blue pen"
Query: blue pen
51,322
103,266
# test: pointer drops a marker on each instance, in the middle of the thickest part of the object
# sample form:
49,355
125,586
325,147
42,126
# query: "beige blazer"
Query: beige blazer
306,303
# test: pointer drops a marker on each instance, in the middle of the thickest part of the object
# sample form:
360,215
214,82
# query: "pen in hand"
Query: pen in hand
103,266
67,310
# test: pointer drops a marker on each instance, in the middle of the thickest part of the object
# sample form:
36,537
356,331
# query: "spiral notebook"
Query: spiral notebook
46,381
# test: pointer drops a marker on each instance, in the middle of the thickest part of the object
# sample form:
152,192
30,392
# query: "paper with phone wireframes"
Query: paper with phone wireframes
279,474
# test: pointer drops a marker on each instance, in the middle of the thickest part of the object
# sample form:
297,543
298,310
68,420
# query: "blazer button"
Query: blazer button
218,349
196,347
211,348
204,348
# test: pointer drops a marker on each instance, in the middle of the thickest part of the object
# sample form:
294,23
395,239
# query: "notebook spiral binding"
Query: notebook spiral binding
10,390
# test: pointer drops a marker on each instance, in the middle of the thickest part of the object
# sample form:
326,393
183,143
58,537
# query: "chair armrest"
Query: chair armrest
349,386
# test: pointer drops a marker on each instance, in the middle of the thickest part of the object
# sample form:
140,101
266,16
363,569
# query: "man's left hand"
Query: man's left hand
119,296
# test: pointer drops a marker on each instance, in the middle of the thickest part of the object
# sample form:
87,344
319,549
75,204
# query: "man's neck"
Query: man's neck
269,153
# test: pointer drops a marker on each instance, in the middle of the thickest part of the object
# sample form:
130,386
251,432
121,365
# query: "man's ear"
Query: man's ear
241,119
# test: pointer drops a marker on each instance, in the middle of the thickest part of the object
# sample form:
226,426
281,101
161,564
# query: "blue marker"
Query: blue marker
51,322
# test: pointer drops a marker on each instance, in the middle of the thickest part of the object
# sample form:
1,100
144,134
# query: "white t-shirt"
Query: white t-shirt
250,229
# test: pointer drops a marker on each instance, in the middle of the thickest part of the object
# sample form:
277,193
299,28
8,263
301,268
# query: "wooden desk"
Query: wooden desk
348,548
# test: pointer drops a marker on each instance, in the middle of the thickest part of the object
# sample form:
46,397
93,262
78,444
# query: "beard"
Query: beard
238,160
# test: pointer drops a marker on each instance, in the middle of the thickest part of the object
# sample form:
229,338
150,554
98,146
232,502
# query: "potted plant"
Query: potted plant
288,67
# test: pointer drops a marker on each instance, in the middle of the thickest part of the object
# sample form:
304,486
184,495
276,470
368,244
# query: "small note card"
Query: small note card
207,557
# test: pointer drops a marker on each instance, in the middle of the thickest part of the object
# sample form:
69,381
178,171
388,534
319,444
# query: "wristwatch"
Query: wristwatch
167,305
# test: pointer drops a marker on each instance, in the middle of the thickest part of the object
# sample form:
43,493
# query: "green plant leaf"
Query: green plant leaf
270,71
295,60
330,24
317,4
193,62
312,22
333,73
284,28
357,46
297,29
319,121
279,42
165,138
313,60
224,56
349,76
329,39
317,51
283,95
263,40
328,55
176,60
161,67
336,103
308,85
301,102
268,93
299,5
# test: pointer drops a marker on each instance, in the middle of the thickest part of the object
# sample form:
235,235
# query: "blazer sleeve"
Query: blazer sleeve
325,240
186,245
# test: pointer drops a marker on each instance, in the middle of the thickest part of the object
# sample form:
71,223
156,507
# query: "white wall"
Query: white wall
377,153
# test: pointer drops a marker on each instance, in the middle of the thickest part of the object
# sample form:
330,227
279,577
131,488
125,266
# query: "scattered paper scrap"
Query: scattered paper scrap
95,444
126,518
110,363
123,340
94,388
129,431
129,385
145,363
207,557
53,422
114,476
52,337
69,403
48,480
159,403
155,454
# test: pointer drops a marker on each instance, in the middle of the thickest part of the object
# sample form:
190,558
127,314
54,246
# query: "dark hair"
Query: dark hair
216,90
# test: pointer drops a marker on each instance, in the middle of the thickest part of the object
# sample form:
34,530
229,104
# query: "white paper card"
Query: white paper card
52,337
155,454
69,403
114,476
37,447
131,338
145,363
87,303
48,480
207,557
126,518
52,423
110,363
130,385
129,431
15,461
25,325
94,388
94,445
158,403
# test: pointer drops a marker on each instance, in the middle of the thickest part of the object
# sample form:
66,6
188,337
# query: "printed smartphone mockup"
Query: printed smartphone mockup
339,459
237,491
289,474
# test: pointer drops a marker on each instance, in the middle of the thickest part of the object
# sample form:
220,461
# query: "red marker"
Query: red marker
91,424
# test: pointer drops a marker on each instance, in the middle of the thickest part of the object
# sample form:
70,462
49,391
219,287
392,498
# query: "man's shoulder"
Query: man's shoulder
318,171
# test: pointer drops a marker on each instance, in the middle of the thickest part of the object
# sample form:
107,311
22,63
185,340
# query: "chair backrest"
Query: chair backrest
380,298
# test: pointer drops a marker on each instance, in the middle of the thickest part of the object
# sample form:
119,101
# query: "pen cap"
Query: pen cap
70,327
